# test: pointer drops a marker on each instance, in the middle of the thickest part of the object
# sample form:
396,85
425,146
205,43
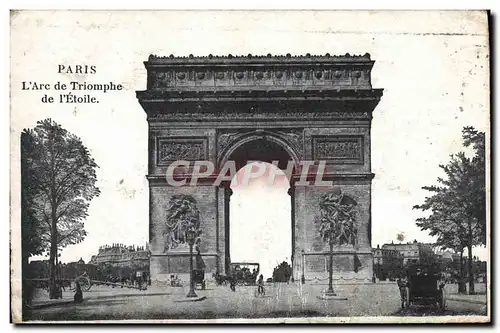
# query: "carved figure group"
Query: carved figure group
338,218
182,215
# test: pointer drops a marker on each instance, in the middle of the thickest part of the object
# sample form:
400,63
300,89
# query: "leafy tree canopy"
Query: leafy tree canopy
61,182
282,272
457,205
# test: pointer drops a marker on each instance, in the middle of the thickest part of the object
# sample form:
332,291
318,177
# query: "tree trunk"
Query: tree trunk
26,287
461,283
471,274
53,255
469,250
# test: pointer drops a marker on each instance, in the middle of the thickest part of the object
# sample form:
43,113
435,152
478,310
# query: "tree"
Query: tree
31,244
282,272
337,224
65,177
400,237
458,204
476,208
446,223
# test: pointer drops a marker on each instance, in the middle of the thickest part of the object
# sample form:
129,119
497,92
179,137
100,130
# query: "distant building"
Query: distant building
387,263
72,270
447,256
412,252
66,271
449,262
121,261
119,254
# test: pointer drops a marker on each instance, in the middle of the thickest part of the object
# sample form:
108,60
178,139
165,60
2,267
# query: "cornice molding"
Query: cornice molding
269,58
261,93
258,72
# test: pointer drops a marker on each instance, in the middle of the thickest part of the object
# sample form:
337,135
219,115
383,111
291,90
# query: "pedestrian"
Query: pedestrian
145,280
232,282
78,298
260,285
200,264
139,279
402,291
58,290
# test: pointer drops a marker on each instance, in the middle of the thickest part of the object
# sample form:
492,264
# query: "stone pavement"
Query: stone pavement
281,301
479,298
478,288
475,299
41,298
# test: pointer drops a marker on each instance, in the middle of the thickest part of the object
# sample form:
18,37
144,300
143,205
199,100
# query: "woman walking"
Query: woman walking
260,286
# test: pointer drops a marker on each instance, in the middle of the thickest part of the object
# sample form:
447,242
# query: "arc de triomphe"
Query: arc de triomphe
267,108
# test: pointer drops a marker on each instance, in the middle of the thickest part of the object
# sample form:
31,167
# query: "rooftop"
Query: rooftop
250,58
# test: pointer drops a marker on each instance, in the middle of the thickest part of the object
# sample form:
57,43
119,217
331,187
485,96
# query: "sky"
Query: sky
260,219
433,67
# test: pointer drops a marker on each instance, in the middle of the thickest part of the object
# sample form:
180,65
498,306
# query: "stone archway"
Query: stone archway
315,108
262,146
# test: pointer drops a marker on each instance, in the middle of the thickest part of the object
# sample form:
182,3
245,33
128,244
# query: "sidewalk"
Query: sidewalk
41,298
474,299
479,298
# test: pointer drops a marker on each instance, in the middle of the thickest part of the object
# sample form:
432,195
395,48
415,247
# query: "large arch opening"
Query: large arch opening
260,222
260,219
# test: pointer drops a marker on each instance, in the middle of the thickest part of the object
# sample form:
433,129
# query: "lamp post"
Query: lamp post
330,291
303,278
190,237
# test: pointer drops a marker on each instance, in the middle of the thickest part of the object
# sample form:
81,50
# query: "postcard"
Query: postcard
250,166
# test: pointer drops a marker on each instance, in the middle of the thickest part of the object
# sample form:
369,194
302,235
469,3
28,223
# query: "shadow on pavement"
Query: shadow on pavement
118,296
432,311
75,316
106,302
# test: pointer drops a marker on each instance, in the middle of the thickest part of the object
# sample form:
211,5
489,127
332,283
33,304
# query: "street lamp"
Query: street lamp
190,237
303,278
330,291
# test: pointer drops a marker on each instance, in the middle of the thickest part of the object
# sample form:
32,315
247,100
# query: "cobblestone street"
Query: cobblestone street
281,300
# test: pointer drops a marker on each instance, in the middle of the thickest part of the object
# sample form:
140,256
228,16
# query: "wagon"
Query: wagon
425,287
221,279
245,273
84,281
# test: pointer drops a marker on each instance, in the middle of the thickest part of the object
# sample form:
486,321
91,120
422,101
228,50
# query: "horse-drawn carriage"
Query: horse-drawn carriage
245,273
84,281
221,279
424,287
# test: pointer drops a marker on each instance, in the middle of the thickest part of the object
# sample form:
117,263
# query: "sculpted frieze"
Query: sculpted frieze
252,115
304,76
173,149
341,149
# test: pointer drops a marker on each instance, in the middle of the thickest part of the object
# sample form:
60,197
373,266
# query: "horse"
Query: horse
220,279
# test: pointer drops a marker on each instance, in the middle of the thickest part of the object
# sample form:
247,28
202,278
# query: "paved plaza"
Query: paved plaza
281,301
